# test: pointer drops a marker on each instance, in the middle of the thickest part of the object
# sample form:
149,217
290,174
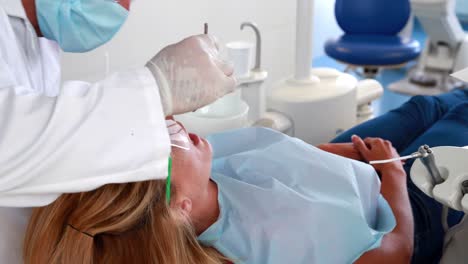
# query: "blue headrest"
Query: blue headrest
387,17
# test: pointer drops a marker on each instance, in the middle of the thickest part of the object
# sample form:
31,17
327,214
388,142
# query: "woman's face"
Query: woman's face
191,161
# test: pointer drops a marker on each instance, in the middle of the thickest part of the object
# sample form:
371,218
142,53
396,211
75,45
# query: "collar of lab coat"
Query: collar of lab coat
13,8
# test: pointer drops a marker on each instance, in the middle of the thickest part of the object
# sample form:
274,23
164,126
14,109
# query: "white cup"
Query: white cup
240,55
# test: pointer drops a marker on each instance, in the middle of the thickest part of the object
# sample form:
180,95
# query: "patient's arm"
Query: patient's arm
346,150
397,246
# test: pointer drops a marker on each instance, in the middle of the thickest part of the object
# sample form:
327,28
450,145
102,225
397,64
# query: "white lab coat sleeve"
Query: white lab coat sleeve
113,131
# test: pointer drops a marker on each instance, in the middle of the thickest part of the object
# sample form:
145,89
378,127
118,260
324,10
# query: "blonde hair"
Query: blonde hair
120,223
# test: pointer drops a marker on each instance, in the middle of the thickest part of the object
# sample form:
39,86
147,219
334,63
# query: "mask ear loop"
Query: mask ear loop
168,181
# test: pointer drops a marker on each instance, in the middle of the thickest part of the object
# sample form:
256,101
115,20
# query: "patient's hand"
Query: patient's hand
346,150
378,149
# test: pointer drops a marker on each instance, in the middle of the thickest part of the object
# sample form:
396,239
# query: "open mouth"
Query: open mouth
195,139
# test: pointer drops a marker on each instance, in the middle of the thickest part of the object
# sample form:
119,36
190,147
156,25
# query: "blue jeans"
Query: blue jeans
436,121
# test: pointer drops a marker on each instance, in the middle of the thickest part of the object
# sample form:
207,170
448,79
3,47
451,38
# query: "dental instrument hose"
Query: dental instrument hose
438,180
412,156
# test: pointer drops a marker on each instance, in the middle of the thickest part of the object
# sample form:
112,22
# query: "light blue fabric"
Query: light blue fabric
80,25
284,201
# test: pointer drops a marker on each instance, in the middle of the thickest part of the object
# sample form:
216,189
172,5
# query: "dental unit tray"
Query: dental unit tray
443,175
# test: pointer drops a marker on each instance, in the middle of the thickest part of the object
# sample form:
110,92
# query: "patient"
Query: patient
256,196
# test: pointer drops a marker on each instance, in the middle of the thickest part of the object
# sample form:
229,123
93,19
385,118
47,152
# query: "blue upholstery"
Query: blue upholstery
371,33
373,50
387,17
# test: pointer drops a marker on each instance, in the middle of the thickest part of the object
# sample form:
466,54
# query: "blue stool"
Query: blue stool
371,39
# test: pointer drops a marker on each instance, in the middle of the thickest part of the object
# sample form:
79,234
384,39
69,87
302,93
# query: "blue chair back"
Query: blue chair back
375,17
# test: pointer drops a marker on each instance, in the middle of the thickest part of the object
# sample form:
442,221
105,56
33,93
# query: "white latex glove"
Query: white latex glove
190,74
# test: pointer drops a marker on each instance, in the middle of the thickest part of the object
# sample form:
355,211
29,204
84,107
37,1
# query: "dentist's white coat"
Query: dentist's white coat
67,138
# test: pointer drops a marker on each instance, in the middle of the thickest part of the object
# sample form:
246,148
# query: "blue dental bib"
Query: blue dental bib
283,201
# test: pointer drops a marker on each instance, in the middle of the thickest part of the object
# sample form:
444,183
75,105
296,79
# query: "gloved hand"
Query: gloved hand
190,74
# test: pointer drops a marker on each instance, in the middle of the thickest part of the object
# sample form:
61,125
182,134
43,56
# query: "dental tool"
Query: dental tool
442,175
464,187
428,160
427,157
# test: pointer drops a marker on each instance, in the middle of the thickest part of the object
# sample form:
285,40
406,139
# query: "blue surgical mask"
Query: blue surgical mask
80,25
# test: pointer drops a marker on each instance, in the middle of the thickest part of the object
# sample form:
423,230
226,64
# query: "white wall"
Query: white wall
325,25
154,24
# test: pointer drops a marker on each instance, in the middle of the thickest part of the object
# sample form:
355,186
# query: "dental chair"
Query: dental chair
445,51
371,38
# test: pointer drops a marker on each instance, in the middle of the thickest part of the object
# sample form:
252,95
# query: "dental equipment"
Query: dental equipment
412,156
450,189
426,155
428,159
444,179
374,36
205,31
464,187
445,52
294,105
258,51
245,107
321,102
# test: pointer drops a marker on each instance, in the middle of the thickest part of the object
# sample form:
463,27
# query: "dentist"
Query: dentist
65,137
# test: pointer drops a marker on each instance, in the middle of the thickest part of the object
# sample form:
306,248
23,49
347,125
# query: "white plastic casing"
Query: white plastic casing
453,165
319,109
